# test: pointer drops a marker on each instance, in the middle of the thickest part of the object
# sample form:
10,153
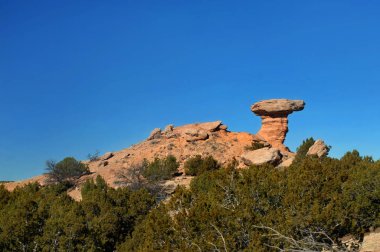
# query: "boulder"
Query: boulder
210,126
107,156
262,156
156,133
319,148
371,241
286,163
274,119
223,127
277,106
168,129
195,135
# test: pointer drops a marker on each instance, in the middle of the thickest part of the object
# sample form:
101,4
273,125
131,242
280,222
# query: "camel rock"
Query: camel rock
274,119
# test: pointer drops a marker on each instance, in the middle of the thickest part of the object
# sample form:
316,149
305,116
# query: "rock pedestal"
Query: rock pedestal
274,119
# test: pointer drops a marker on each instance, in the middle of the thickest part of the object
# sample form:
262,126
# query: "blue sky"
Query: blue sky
80,76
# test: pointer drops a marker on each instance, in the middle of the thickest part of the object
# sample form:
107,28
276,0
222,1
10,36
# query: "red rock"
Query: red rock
319,148
261,156
274,115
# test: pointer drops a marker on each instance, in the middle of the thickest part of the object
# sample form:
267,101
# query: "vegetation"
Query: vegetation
197,165
304,147
315,202
66,170
254,146
93,156
35,218
308,205
160,169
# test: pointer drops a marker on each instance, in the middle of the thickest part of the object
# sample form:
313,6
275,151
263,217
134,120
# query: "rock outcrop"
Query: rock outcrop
196,135
106,156
156,133
264,155
274,115
208,138
319,148
371,241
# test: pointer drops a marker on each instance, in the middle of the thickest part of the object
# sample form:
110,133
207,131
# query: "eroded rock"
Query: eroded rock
286,162
262,156
223,127
107,156
168,129
196,135
210,126
319,148
274,119
156,133
371,241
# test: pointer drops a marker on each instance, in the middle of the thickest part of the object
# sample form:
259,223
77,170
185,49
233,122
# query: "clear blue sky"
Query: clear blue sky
80,76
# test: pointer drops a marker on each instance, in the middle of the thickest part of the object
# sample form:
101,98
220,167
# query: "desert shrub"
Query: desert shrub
303,149
4,196
254,146
133,179
35,218
305,146
93,156
161,169
66,170
155,233
198,165
245,210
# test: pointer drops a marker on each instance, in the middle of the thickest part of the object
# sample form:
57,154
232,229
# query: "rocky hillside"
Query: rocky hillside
209,138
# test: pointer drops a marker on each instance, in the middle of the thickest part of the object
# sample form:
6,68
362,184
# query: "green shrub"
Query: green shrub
66,170
254,146
197,165
161,169
241,210
303,148
93,156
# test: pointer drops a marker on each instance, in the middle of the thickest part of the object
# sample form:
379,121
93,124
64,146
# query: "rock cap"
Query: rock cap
277,106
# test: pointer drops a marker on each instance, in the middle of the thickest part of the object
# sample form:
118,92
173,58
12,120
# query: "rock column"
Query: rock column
274,119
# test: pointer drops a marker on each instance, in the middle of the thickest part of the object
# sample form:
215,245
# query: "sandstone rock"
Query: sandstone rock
286,163
210,126
274,119
277,106
261,156
106,156
196,135
371,241
156,133
350,242
223,127
169,128
319,148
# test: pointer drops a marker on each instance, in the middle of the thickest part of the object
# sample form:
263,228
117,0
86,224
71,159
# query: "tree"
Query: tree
161,169
198,165
66,170
303,148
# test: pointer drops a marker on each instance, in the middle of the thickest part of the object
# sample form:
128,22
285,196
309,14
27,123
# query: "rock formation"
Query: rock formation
208,138
371,241
156,133
274,119
319,148
262,156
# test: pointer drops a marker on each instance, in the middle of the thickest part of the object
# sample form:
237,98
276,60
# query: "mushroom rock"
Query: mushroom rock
274,119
